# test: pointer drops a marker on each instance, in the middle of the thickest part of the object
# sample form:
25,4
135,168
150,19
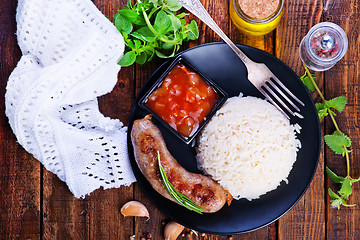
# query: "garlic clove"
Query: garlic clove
172,230
134,208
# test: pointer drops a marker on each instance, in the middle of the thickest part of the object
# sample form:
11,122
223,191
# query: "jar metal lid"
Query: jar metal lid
249,19
335,37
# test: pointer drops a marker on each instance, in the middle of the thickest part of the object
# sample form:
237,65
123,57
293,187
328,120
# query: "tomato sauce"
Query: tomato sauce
183,100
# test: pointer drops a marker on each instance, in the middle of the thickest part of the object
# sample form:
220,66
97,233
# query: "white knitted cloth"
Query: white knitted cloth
70,54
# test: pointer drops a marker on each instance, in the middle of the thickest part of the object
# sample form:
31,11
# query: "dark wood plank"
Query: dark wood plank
98,215
307,219
106,222
343,79
19,172
64,217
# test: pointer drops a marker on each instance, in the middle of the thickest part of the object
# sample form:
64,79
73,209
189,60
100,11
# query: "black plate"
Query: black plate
220,64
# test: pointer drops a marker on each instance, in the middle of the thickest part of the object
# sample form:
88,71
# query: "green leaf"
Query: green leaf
123,24
140,21
152,54
331,111
335,178
128,59
181,15
173,5
137,44
332,194
130,43
321,110
337,103
337,143
345,190
336,203
131,15
128,5
355,180
152,12
162,22
155,3
175,22
168,46
307,81
192,30
343,202
144,34
141,58
161,55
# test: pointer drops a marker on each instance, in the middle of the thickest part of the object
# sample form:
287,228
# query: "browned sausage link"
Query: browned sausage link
147,141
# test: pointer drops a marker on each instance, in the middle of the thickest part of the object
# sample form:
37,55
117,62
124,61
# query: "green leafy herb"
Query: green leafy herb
180,198
152,27
335,178
337,103
338,142
307,81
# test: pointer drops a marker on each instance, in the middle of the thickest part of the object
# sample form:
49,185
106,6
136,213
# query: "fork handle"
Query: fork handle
196,8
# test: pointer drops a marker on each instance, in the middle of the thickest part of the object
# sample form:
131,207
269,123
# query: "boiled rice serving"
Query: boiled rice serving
248,146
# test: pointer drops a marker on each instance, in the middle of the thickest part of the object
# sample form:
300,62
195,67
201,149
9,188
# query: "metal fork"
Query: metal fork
258,73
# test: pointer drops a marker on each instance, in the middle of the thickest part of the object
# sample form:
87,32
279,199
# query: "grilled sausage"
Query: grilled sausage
147,141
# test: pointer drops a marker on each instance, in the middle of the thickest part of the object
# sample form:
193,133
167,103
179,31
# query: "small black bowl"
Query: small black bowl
222,98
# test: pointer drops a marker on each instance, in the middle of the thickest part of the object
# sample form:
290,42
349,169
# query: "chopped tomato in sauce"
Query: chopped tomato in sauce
183,100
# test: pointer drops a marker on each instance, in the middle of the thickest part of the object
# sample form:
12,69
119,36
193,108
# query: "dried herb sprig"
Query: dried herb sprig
180,198
338,142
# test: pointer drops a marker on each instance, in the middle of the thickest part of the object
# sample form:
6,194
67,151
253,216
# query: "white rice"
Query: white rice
249,147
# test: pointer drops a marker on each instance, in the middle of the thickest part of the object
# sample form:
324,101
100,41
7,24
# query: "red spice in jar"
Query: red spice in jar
259,9
319,50
183,100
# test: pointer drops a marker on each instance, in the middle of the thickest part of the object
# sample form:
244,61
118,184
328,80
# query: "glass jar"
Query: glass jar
255,26
324,45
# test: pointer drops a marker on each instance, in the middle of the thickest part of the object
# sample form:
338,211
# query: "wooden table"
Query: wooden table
35,204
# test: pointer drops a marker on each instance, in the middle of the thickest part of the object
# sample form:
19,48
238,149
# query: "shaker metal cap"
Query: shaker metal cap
327,42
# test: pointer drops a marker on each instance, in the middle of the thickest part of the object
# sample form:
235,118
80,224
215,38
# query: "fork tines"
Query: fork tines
273,91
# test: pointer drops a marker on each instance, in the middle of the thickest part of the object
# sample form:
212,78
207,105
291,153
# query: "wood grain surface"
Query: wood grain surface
35,204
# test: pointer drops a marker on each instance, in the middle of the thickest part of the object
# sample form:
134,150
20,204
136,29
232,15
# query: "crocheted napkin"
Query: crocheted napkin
70,54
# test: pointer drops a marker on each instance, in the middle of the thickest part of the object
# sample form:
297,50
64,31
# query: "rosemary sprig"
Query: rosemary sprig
180,198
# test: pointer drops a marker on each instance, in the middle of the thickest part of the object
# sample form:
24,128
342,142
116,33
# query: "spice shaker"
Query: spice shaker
324,45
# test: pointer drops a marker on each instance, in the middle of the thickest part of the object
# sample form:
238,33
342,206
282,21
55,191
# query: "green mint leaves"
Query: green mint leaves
338,142
345,191
337,103
152,27
307,81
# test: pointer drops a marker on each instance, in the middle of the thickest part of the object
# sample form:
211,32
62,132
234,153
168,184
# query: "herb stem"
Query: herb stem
347,161
152,29
345,148
332,118
147,20
334,122
314,83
